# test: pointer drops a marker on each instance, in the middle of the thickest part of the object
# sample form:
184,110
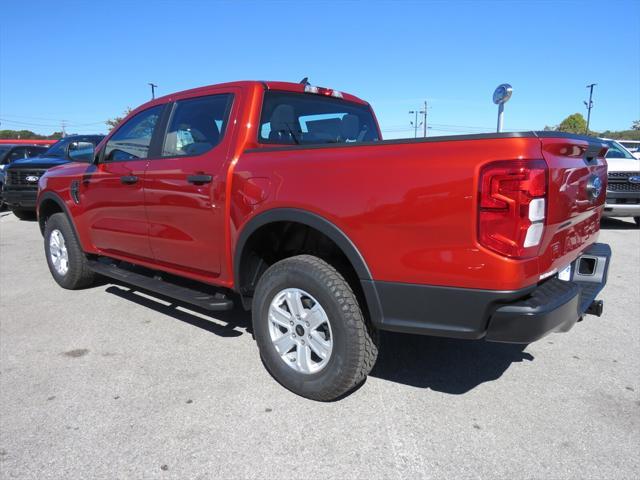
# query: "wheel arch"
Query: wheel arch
50,203
319,224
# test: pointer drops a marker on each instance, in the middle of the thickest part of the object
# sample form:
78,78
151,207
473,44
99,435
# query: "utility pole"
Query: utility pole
589,105
414,123
424,120
64,125
153,90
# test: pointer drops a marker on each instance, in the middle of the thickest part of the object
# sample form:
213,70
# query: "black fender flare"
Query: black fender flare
324,226
46,196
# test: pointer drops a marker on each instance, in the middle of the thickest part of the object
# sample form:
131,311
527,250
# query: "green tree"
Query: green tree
636,125
574,123
27,135
113,122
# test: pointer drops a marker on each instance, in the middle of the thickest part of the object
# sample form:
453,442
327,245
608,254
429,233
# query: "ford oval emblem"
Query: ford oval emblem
634,179
32,178
594,187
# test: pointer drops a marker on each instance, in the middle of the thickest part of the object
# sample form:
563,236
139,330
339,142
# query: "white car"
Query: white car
623,189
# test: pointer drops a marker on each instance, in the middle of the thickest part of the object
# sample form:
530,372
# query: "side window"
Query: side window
197,125
16,154
132,139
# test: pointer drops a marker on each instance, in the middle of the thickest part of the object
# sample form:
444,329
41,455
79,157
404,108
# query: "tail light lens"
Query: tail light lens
512,207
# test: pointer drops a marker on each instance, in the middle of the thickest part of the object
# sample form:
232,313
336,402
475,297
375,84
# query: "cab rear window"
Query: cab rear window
309,119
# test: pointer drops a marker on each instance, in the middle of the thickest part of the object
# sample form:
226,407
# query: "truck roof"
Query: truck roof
269,85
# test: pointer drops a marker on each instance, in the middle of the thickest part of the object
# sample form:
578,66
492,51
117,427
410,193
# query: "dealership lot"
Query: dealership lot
109,383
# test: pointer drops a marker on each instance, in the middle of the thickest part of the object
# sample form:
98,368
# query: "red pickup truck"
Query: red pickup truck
284,198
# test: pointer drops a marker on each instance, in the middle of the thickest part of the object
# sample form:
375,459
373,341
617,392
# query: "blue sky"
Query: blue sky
84,62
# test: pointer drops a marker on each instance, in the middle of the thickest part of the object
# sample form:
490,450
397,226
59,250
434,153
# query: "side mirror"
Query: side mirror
81,152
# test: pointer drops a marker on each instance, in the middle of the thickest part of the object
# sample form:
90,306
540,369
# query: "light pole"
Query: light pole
153,90
424,120
589,105
501,95
414,123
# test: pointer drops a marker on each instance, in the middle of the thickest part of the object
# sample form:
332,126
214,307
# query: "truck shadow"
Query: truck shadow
609,223
234,322
442,364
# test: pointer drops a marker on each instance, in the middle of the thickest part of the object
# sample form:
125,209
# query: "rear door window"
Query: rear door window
303,118
197,125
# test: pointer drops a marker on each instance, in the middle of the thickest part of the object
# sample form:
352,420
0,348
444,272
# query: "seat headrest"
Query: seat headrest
350,127
204,126
283,118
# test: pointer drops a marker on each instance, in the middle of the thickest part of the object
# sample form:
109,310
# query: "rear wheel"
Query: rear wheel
67,262
312,335
23,214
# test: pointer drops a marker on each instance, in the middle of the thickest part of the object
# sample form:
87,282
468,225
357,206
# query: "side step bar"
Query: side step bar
215,302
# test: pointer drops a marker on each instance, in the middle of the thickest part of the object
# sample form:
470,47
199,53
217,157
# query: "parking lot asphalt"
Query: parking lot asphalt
109,383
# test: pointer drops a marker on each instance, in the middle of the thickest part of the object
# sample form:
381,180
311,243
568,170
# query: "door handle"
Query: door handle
129,179
199,179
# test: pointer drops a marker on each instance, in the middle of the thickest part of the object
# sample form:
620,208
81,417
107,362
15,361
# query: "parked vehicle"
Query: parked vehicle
632,146
9,153
284,198
623,187
20,187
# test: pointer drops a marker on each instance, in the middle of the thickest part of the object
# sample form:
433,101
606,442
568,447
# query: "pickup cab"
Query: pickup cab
282,198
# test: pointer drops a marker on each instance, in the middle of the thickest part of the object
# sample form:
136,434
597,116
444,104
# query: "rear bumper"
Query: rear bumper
19,198
520,316
622,204
621,210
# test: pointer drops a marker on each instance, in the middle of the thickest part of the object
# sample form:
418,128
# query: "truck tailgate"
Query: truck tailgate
577,190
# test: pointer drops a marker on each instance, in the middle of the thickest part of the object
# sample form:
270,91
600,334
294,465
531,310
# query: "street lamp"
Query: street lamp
501,95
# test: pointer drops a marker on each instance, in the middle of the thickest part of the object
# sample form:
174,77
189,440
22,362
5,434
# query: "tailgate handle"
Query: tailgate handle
129,179
199,179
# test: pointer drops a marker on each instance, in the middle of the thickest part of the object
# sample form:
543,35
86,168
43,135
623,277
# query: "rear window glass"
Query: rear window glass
308,119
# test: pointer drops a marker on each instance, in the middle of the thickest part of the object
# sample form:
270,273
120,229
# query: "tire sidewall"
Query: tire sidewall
59,222
310,280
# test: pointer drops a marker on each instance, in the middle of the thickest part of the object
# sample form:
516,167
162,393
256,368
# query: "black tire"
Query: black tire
23,214
354,342
78,274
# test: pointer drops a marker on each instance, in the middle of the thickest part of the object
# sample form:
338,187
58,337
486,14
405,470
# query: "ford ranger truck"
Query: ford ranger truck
283,198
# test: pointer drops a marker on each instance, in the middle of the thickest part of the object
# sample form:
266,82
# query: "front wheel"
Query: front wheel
312,335
67,262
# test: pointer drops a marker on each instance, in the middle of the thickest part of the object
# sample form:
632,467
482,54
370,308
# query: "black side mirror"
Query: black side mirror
81,152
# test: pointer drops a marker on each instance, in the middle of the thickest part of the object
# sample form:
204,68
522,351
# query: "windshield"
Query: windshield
3,150
57,149
302,118
618,151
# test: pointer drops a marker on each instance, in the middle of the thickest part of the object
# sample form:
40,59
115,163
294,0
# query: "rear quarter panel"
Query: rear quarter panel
408,208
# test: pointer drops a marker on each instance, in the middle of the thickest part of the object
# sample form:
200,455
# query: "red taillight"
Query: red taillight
512,206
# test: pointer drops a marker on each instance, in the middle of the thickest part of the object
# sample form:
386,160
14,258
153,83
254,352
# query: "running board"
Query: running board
215,302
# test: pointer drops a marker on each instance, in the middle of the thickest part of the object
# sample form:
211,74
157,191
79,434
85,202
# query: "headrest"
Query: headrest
350,127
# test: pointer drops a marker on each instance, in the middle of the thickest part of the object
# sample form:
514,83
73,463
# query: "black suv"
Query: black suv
21,176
